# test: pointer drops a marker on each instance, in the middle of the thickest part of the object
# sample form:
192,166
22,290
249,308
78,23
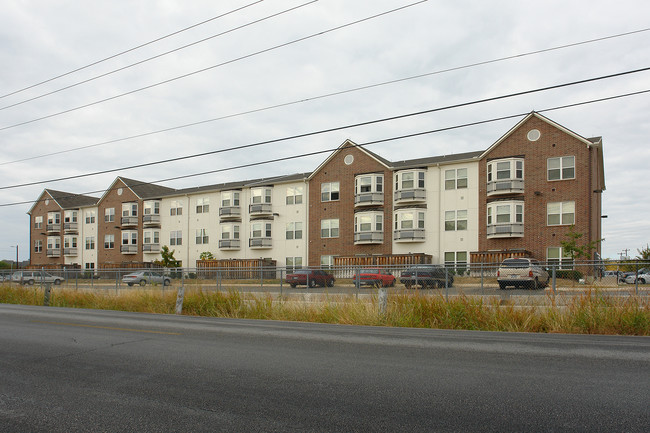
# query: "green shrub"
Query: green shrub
568,274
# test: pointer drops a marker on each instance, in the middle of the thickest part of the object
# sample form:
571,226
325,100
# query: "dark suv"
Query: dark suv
427,276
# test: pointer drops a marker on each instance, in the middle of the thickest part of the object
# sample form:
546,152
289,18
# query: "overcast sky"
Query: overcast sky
266,64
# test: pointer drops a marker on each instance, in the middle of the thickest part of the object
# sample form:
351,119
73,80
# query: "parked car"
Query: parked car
642,277
146,277
522,272
311,278
375,277
427,276
31,277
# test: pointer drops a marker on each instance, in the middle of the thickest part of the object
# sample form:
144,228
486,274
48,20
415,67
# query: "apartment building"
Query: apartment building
520,196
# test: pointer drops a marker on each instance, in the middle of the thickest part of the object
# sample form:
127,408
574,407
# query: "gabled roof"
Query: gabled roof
142,190
66,200
350,143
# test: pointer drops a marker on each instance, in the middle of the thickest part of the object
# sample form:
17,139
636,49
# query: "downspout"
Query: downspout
441,184
187,243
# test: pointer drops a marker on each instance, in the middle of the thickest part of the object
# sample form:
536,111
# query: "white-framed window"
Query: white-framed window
176,237
109,242
505,213
152,207
456,178
70,216
555,256
54,217
89,266
129,209
229,231
561,168
505,169
176,207
294,230
294,194
230,199
53,243
560,213
329,191
90,242
409,219
261,195
413,179
261,230
368,222
70,242
455,220
293,263
327,262
151,236
456,261
109,214
130,237
203,205
38,222
38,246
329,228
90,216
368,183
202,237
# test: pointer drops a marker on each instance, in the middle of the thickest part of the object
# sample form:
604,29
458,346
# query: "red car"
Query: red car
311,278
375,277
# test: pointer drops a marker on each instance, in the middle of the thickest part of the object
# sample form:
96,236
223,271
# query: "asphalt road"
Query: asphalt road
64,370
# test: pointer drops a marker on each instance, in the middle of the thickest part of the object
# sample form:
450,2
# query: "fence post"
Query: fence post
46,295
481,277
281,278
382,300
446,284
261,274
554,279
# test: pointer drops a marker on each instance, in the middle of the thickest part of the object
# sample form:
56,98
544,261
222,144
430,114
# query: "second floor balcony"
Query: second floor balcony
409,235
152,220
230,212
260,243
129,249
70,252
53,252
369,199
53,228
505,186
514,230
368,237
229,244
413,195
151,248
257,209
71,227
129,221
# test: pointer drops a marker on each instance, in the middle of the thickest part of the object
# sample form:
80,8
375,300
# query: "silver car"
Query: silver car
522,272
642,278
146,277
31,277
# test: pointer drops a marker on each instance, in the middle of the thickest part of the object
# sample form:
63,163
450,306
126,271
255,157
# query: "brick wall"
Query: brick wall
44,205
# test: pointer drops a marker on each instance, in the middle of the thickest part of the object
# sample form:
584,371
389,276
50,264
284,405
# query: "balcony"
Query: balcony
130,221
369,199
230,244
129,249
505,231
371,237
409,235
230,212
259,209
410,195
71,227
152,220
505,186
53,252
260,243
70,252
53,228
151,248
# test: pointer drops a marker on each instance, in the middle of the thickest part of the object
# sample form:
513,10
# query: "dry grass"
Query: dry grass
591,313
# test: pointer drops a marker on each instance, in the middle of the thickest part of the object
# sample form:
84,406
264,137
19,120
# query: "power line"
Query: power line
129,50
313,35
327,95
157,56
318,152
323,131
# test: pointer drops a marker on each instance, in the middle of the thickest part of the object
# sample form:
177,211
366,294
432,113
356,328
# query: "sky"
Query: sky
257,71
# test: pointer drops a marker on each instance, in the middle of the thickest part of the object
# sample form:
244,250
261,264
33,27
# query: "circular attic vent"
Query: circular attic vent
534,134
349,159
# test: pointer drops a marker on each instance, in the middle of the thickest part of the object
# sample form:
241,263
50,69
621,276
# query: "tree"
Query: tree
575,251
168,260
644,253
5,265
206,255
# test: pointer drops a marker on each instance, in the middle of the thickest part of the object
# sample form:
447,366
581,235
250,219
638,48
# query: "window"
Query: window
560,213
369,183
409,180
293,263
230,199
329,191
229,231
329,228
294,195
294,230
109,215
129,209
456,178
555,256
109,242
54,243
455,220
561,168
90,266
70,242
176,208
202,205
368,222
505,169
261,195
326,262
176,237
53,218
90,217
408,220
38,222
202,237
505,218
38,246
152,207
151,237
90,242
261,230
456,261
129,238
70,216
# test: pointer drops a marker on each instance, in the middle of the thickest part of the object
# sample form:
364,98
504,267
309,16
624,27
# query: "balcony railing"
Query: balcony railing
227,212
54,228
410,195
505,186
151,248
53,252
71,227
129,221
70,252
229,244
260,209
151,220
515,230
129,249
369,198
259,243
408,235
374,237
